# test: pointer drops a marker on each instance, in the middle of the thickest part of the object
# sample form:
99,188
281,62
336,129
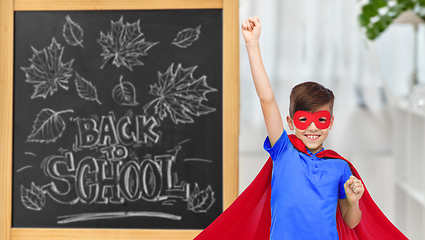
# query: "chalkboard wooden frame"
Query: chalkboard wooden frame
230,110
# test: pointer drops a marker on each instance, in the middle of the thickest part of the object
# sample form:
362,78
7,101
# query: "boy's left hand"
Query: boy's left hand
354,189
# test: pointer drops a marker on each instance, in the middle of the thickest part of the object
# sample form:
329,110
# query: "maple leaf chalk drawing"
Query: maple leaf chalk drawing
48,126
125,94
180,94
47,71
85,89
186,37
124,44
33,198
73,33
201,201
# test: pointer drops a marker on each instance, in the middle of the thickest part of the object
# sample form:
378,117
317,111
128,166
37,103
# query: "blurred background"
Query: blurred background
371,54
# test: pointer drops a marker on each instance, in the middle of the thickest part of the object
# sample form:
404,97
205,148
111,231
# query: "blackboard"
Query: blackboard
117,119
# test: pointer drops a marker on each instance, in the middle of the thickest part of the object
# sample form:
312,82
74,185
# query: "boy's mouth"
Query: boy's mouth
312,137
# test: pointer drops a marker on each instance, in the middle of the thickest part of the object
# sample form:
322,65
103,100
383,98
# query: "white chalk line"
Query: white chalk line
24,168
95,216
198,160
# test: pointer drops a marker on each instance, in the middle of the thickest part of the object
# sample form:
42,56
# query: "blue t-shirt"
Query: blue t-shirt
305,192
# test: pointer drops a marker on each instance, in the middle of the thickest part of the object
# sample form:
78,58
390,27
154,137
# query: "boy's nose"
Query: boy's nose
312,127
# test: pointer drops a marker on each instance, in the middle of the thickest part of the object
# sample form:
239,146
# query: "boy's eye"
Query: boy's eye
322,120
303,119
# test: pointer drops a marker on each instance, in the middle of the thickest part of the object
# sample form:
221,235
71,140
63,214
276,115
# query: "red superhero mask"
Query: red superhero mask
322,119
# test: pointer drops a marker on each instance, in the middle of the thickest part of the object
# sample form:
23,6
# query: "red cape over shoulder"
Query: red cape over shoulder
249,216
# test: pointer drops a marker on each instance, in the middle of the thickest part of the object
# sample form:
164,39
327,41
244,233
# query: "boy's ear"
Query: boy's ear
332,122
290,122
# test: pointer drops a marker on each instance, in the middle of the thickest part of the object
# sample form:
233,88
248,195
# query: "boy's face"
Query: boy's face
313,137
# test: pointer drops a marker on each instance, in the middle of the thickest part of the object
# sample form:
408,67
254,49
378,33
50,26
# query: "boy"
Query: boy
305,188
310,194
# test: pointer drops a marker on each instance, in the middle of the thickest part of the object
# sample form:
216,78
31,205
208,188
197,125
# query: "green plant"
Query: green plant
377,15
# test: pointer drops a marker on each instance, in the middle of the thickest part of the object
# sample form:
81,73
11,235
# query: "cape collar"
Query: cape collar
300,146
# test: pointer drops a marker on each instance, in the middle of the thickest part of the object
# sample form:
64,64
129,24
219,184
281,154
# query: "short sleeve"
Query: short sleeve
346,173
279,147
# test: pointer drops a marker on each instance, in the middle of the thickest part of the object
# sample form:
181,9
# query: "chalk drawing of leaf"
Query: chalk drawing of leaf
73,33
187,36
180,94
47,70
48,126
125,94
33,198
201,201
85,89
124,44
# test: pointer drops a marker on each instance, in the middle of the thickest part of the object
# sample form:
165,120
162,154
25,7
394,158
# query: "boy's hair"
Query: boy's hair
309,96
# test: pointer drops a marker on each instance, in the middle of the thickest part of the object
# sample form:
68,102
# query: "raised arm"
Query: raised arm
251,30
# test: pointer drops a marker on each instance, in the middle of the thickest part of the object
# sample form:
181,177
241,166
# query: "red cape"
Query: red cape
249,216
